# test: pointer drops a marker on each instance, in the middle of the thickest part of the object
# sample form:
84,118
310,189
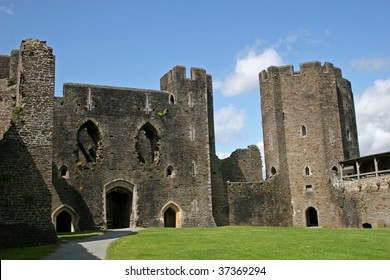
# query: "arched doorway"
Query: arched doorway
64,222
170,218
118,207
311,217
171,215
65,219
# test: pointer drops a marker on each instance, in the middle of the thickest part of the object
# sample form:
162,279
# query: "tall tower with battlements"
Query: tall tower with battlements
309,126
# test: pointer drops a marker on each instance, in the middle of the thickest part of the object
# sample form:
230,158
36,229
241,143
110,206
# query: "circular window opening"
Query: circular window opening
273,171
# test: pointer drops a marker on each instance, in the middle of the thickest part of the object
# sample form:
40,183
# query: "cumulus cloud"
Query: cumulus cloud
244,78
229,122
370,64
6,10
373,118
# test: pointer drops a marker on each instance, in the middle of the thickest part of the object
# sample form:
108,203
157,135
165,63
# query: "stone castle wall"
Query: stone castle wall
108,157
26,147
155,141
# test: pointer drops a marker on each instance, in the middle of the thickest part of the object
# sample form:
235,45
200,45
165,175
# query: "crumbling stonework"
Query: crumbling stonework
26,148
152,145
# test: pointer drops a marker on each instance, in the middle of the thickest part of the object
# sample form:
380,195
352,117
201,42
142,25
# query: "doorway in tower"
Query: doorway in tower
171,215
118,207
65,219
64,222
311,217
170,218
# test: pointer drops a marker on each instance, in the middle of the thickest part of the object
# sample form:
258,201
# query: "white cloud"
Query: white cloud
244,78
229,122
6,10
373,118
260,144
370,64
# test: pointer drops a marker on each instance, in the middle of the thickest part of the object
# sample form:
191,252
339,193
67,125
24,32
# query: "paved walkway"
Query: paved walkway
93,248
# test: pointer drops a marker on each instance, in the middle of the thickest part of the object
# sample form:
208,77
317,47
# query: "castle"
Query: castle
109,157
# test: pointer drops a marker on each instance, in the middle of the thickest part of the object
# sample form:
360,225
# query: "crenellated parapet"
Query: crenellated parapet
308,68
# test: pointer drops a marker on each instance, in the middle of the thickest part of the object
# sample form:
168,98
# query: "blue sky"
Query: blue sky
134,43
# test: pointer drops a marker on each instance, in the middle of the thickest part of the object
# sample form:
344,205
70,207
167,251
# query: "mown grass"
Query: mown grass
39,252
27,253
77,235
243,243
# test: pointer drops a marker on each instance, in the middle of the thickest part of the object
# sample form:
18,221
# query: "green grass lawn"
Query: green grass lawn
243,243
27,253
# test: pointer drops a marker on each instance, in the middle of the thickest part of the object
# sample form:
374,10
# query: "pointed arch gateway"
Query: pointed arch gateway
119,204
65,219
171,215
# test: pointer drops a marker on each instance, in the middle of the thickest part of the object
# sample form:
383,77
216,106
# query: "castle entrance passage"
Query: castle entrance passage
311,217
64,222
118,208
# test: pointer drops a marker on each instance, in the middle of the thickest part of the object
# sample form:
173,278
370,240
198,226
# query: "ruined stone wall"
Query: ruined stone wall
8,70
26,149
243,165
4,66
366,200
303,137
262,203
156,142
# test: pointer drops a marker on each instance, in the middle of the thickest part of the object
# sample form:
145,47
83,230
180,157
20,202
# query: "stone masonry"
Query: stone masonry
109,157
26,146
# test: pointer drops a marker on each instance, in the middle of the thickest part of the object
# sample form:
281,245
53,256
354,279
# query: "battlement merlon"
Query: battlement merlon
306,68
177,76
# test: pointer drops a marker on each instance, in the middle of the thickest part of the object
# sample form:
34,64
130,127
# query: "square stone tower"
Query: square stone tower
309,125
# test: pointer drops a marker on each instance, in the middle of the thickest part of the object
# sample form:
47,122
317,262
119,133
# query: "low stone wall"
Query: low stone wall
366,201
262,203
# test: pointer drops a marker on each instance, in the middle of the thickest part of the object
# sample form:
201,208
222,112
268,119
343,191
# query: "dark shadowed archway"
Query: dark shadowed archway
118,207
311,217
65,219
170,218
171,215
64,222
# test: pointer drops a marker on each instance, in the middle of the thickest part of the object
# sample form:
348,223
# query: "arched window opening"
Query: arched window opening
88,143
170,218
172,99
311,217
64,222
304,130
273,171
169,172
118,208
366,225
307,171
147,145
64,172
335,170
